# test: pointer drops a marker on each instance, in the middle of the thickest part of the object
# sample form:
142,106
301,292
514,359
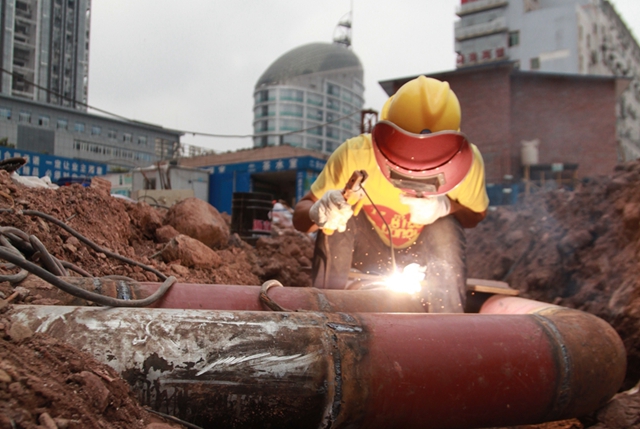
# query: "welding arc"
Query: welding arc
79,292
391,248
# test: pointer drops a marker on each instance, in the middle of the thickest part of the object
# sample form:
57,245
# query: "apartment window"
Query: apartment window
514,38
127,137
265,95
263,126
290,125
265,110
333,132
79,127
315,144
314,99
313,113
112,134
333,104
287,109
142,140
292,140
25,117
96,130
5,112
291,94
333,89
535,63
43,121
62,124
265,141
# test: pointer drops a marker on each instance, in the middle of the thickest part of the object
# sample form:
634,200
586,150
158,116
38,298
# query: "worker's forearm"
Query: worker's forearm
301,220
467,217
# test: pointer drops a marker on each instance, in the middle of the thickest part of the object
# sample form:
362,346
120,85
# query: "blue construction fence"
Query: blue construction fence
55,167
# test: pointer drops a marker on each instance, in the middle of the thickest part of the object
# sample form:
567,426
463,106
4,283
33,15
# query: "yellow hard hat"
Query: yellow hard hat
422,104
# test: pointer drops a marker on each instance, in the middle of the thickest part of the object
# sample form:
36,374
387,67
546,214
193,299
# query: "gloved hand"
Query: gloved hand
425,211
331,212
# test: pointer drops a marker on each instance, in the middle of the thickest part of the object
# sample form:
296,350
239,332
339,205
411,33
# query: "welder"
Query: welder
424,184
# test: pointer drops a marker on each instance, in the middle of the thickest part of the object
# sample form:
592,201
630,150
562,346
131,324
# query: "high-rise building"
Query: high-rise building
44,49
557,36
311,97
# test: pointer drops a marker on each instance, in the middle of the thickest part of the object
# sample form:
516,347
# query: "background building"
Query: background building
557,36
317,88
79,136
44,49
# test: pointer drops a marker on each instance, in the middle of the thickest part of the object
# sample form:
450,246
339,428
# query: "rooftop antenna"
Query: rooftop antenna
342,33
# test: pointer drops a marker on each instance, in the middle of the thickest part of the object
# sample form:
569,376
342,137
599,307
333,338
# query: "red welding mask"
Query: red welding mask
421,165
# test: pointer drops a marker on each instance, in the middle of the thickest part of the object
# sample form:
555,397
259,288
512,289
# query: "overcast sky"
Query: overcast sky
192,65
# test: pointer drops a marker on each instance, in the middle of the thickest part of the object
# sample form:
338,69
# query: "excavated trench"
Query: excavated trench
586,237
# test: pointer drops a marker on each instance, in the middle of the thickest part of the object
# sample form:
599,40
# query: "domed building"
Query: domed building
311,97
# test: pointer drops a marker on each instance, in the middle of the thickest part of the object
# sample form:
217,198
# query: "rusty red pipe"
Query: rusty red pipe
240,298
246,369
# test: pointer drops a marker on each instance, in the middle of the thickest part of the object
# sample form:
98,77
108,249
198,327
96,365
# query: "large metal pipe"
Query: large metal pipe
244,369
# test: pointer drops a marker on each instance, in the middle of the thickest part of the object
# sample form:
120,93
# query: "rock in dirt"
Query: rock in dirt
190,253
200,220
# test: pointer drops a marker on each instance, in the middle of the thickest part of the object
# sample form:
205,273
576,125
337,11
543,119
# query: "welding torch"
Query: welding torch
350,192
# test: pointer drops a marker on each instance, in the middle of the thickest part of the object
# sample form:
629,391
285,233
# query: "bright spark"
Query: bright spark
408,280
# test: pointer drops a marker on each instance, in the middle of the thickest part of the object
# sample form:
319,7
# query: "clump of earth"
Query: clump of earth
573,246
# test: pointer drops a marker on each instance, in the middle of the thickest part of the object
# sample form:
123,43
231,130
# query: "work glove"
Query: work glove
331,212
425,211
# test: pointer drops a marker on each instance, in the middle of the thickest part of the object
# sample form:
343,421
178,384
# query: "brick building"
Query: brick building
586,37
572,116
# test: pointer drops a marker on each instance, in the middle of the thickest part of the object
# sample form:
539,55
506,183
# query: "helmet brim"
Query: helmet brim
421,164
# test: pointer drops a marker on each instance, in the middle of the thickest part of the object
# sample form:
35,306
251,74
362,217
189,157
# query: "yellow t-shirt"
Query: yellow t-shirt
357,154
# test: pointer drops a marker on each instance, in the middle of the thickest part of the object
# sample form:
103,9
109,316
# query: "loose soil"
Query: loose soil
577,247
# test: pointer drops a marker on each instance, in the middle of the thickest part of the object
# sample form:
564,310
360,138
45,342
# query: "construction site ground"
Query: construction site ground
576,246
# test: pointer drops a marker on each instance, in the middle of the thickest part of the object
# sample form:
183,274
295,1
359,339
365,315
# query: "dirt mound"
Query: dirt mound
130,230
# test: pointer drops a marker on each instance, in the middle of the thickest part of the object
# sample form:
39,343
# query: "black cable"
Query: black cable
86,240
49,261
266,299
56,268
75,268
82,293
